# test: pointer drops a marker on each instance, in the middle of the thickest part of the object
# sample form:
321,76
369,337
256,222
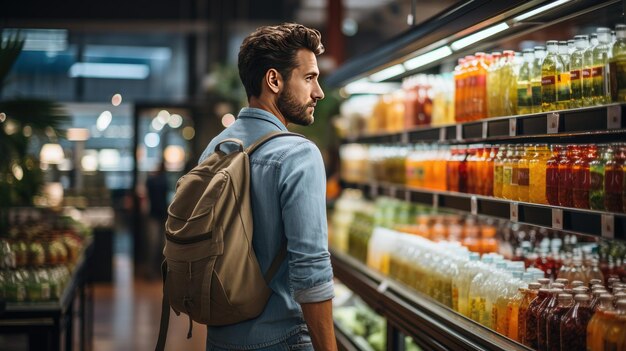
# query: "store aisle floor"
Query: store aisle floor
127,314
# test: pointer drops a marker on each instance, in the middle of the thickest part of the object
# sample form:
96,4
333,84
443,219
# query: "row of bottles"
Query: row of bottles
575,175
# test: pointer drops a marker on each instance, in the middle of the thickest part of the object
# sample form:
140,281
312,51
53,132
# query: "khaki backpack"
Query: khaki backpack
210,271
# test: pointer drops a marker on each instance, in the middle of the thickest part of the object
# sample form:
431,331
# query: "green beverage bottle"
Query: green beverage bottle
563,92
550,69
599,70
596,175
587,67
535,80
617,64
493,85
576,70
508,84
524,88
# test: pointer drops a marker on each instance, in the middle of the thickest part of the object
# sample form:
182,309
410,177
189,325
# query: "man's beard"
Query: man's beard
292,111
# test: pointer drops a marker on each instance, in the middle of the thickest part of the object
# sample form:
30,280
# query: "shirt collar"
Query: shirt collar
257,113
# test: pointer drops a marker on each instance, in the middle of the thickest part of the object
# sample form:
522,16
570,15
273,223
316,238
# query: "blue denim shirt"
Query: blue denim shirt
288,186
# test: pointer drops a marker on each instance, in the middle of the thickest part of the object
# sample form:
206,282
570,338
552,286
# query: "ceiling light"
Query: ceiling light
116,100
539,10
478,36
109,70
152,140
427,58
387,73
77,134
104,120
51,154
175,121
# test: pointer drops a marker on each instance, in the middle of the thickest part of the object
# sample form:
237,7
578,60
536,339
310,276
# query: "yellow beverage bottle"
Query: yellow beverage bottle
617,64
517,156
507,173
587,69
576,70
535,80
524,88
523,173
512,312
493,93
599,71
537,174
614,334
550,69
508,85
498,165
563,82
595,328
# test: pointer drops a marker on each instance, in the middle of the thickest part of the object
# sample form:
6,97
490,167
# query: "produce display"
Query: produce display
37,257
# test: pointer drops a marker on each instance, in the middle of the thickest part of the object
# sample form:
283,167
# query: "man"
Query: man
278,68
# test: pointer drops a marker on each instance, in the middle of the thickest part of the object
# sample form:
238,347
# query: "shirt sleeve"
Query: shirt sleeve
302,187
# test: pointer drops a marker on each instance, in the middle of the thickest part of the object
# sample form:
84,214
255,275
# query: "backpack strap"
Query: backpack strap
267,137
280,257
165,311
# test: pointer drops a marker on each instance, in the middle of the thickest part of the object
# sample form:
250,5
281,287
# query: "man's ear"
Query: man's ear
273,80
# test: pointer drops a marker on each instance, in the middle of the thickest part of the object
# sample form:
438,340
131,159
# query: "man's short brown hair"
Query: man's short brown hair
274,47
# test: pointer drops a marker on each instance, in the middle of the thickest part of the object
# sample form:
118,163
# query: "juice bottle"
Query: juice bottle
462,164
595,331
587,70
543,313
596,171
524,88
493,85
565,175
523,173
517,156
459,89
580,176
471,164
535,80
508,84
614,179
480,88
489,154
529,296
537,174
551,69
614,335
530,338
468,77
599,71
498,165
574,324
507,172
617,63
466,271
452,170
563,93
513,313
576,70
552,176
553,325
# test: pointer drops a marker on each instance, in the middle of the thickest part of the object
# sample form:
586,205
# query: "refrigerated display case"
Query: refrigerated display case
433,47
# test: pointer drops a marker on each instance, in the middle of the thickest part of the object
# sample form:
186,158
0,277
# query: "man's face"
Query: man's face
299,96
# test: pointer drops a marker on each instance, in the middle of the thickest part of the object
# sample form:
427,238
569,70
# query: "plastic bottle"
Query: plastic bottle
599,71
480,87
524,87
614,336
459,90
564,88
530,338
581,176
552,176
507,172
460,286
543,314
617,63
576,70
529,296
537,174
553,323
574,324
515,159
565,170
571,46
535,81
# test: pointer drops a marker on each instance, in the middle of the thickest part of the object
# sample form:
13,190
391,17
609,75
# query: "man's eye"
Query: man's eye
308,79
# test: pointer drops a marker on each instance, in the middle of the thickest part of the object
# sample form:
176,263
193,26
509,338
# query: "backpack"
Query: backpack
210,271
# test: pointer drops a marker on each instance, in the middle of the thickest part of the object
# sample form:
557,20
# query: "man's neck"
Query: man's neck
270,107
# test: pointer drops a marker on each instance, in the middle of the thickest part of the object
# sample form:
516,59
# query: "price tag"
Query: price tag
608,226
474,205
442,134
392,191
383,286
459,132
407,195
435,201
514,211
553,123
557,218
373,190
404,138
513,127
614,117
485,130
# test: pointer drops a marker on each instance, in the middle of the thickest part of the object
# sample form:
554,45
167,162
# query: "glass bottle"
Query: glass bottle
508,84
565,175
523,173
488,170
550,69
614,338
596,171
530,338
535,81
528,296
571,46
524,88
537,170
507,172
553,325
581,177
498,165
563,93
587,70
614,178
493,84
601,91
574,324
576,69
480,89
552,176
542,318
617,63
517,156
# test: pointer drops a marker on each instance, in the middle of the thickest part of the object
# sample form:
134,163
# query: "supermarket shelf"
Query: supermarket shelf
346,341
598,223
432,325
582,125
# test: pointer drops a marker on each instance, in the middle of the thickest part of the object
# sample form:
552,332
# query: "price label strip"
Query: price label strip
485,133
557,218
608,226
459,132
474,205
442,134
514,212
614,117
513,127
553,123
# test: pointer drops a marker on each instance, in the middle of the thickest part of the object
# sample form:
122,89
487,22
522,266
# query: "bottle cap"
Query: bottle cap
558,285
577,283
581,297
534,286
603,30
595,281
565,296
561,281
581,37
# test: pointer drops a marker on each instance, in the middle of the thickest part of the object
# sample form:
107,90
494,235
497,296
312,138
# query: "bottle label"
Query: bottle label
523,177
548,89
586,73
575,75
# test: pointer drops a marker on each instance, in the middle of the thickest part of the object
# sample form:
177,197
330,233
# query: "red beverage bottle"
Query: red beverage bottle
614,179
552,176
565,167
581,178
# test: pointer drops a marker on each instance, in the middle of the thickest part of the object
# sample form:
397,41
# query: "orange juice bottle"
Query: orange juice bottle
459,90
498,165
507,172
439,168
487,169
468,93
616,328
537,168
481,86
523,173
493,91
595,328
